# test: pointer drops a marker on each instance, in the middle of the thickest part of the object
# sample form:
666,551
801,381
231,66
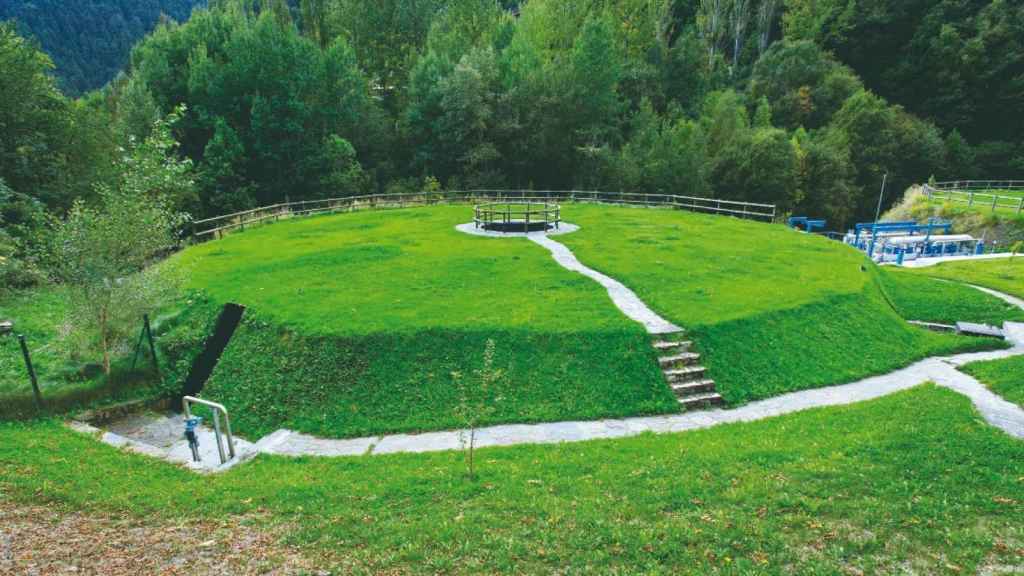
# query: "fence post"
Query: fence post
1020,205
31,372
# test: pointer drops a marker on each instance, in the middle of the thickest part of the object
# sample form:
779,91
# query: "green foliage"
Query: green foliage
867,487
48,145
971,53
270,105
102,254
803,84
885,140
664,156
89,41
24,223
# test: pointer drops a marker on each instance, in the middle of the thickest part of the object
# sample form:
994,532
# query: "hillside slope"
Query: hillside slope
89,41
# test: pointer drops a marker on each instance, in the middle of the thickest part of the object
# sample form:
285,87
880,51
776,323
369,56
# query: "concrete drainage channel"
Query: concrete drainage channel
157,431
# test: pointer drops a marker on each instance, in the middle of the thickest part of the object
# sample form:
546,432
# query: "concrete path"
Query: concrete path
624,298
942,371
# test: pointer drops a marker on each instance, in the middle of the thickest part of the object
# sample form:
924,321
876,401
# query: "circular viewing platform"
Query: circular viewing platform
517,216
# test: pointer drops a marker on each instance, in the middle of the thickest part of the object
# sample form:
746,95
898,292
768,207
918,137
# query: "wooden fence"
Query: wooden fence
215,227
982,194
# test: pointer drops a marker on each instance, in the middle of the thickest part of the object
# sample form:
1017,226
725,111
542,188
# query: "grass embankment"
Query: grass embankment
1002,274
928,299
932,490
1004,377
356,323
772,310
39,315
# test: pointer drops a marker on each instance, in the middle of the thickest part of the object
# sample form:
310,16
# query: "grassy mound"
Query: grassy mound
772,310
918,297
357,322
1004,377
1003,274
272,376
915,479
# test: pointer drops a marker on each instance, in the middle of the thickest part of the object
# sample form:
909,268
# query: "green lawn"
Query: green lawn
927,299
1003,274
1004,377
913,482
357,322
64,383
36,314
772,310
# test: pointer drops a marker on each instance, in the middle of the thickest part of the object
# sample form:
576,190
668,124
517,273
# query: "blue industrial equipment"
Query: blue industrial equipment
909,227
806,224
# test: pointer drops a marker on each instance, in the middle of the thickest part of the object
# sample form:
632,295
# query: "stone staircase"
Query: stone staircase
684,373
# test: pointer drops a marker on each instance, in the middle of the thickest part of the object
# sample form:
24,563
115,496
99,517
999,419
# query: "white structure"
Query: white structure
905,248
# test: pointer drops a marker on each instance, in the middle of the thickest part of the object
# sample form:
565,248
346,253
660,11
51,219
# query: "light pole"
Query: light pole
878,213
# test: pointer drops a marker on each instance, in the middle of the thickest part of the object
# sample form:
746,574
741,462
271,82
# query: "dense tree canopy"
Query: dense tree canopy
89,40
804,104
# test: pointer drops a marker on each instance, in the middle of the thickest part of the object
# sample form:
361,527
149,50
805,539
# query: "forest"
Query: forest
802,103
89,40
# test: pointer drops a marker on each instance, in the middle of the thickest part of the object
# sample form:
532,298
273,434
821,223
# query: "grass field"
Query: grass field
918,297
1003,274
356,322
910,483
772,310
1004,377
37,315
64,383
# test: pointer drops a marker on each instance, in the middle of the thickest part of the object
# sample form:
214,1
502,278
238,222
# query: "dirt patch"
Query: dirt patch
42,541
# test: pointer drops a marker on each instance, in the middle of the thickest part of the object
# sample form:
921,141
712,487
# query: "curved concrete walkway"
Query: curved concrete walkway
624,298
942,371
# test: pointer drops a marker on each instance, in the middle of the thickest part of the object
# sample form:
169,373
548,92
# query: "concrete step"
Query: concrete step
694,388
684,358
681,375
681,346
702,400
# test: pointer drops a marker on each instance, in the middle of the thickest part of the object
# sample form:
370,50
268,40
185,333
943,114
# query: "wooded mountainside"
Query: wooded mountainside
800,103
89,40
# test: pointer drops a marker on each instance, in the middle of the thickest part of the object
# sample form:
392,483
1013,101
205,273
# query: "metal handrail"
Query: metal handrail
217,409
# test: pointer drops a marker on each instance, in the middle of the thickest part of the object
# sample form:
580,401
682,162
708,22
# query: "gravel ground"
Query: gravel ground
43,541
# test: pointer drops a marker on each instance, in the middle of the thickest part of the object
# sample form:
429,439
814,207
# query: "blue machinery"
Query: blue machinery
806,224
905,227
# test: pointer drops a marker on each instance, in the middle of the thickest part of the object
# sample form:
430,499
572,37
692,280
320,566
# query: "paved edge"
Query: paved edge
624,299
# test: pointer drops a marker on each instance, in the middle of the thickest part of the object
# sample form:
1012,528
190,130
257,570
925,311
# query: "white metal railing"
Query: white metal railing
217,226
217,409
979,193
